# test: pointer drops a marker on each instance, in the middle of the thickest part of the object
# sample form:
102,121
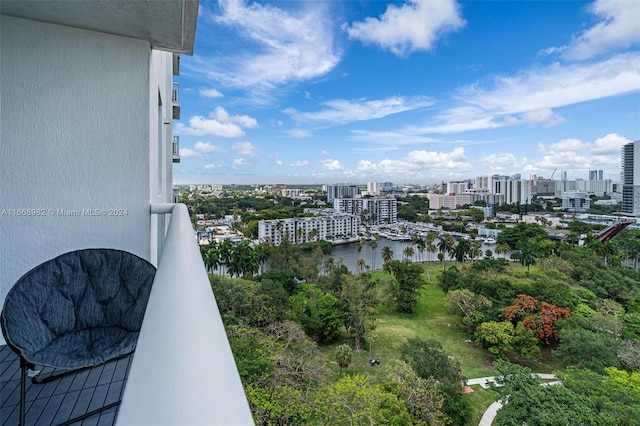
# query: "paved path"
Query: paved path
492,411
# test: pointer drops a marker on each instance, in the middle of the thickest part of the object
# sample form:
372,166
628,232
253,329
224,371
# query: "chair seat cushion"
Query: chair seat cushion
78,309
86,348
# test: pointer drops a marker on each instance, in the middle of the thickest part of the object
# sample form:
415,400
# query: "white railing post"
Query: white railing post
183,371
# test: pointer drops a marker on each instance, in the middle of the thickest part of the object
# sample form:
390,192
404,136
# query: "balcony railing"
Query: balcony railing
175,99
176,149
183,371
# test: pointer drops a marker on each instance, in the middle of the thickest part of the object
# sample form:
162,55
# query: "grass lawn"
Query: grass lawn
430,321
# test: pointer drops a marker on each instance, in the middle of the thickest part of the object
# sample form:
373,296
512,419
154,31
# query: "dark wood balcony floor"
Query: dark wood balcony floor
59,400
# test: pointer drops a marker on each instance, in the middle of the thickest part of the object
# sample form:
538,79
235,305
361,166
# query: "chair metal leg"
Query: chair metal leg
23,389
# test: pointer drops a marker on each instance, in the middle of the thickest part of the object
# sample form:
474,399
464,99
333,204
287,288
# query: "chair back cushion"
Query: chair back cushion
78,309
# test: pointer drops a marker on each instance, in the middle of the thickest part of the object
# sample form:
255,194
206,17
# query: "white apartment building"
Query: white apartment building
458,187
631,179
308,229
374,188
514,191
576,201
446,201
291,192
372,211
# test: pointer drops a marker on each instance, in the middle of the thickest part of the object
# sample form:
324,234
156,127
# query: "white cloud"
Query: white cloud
299,163
240,162
209,166
297,133
556,86
210,93
576,155
200,126
416,25
421,161
544,116
279,163
331,164
189,153
342,111
503,162
367,166
205,147
281,45
246,149
223,116
617,27
610,144
565,145
529,98
219,123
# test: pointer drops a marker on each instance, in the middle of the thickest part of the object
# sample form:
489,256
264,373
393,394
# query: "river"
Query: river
348,254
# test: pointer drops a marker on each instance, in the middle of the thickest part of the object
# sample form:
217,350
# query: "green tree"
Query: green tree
408,253
422,397
526,402
319,313
445,245
344,354
502,249
587,349
362,298
497,337
374,245
461,250
353,400
526,255
387,253
406,284
470,306
430,361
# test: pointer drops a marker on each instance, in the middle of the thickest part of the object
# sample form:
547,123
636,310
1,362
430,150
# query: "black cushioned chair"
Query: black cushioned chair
78,310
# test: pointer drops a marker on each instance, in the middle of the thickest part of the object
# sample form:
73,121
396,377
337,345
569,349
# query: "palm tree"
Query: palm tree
527,255
261,252
502,248
421,245
408,252
475,250
461,250
362,265
329,264
224,252
374,245
359,246
444,246
387,253
604,249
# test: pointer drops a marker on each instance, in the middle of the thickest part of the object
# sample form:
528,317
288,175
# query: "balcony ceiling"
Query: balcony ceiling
166,24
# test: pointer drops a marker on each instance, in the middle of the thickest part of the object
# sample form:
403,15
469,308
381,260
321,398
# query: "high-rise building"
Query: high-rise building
341,191
595,174
373,188
631,178
372,211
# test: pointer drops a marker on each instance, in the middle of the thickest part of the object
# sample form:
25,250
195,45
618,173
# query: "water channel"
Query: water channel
348,253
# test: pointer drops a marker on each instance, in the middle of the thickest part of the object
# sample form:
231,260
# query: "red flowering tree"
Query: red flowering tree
537,316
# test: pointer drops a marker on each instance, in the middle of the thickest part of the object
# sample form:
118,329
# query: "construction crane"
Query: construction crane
546,184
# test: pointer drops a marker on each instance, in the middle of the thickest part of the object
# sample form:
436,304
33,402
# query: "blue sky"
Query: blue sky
419,91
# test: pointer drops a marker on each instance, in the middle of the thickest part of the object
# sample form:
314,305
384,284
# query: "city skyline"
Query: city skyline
413,92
